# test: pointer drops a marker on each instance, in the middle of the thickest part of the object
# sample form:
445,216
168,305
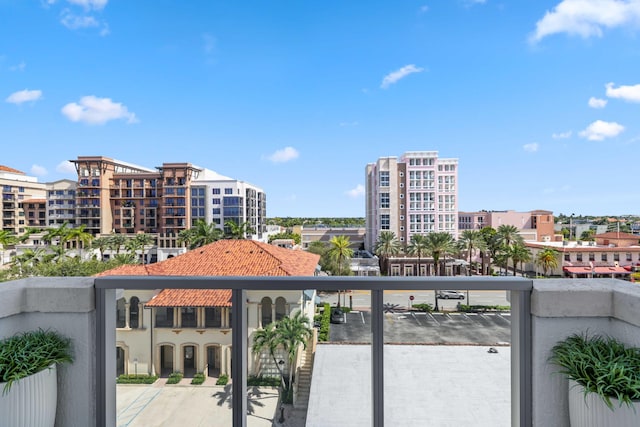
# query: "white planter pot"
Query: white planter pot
31,401
591,411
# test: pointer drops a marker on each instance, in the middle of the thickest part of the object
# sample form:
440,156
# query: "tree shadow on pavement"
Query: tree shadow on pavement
255,396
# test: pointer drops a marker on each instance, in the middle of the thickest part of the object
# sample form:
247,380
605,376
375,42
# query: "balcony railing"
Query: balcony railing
84,308
106,310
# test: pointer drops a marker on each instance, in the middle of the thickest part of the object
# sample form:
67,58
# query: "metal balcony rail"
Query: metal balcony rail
520,289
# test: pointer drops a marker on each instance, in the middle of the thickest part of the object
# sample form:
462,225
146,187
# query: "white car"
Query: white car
450,295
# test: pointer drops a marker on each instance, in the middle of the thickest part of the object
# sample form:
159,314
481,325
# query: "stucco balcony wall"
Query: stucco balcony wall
66,305
558,308
561,307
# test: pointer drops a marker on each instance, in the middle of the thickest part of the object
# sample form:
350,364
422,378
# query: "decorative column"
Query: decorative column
127,313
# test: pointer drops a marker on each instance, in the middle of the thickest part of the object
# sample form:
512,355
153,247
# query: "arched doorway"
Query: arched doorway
213,361
166,360
267,316
189,360
120,358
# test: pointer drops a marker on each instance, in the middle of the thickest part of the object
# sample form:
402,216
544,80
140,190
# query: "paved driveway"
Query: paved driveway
406,327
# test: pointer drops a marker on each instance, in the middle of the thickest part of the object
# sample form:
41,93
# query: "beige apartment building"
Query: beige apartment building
17,187
415,194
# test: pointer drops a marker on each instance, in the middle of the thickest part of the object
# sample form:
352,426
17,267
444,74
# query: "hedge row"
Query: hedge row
136,379
325,320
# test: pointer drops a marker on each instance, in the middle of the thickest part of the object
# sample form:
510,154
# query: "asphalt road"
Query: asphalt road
408,327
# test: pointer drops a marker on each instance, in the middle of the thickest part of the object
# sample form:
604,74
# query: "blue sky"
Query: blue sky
538,100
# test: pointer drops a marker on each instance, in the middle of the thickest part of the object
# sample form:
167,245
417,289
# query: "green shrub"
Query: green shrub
174,378
136,379
28,353
602,365
482,308
222,379
426,307
198,379
254,380
325,321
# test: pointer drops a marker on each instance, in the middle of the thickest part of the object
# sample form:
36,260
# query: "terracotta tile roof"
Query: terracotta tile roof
221,258
191,298
35,201
8,169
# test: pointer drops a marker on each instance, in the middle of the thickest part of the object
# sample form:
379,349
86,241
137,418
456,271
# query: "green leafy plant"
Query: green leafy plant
263,381
174,378
30,352
198,379
325,321
222,379
602,365
426,307
136,379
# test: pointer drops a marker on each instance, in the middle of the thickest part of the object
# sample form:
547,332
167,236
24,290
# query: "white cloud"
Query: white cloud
66,167
562,135
356,192
89,4
24,96
599,130
284,155
403,72
531,148
19,67
628,93
587,18
597,102
38,170
97,111
74,22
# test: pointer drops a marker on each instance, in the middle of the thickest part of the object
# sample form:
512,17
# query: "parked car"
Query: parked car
337,315
450,295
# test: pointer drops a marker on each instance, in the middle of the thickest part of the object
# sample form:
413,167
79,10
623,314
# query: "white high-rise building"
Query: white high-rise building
416,194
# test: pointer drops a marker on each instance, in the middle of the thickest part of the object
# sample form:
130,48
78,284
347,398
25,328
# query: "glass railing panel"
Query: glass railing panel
170,362
446,363
327,379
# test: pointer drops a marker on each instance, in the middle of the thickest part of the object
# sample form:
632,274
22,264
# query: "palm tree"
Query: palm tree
339,251
116,242
439,243
6,239
489,235
508,235
469,242
294,331
268,338
144,240
200,234
518,253
547,259
233,230
418,247
100,243
79,236
387,246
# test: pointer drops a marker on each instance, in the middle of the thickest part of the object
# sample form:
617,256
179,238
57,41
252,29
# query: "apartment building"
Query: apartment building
18,188
415,194
119,197
61,203
536,225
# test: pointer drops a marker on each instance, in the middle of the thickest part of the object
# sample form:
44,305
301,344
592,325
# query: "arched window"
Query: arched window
120,313
134,312
266,311
281,307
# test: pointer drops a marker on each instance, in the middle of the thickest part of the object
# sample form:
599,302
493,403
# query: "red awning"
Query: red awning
577,270
596,270
610,270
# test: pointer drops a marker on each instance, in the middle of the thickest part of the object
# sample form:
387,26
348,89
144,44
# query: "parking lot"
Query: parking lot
409,327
